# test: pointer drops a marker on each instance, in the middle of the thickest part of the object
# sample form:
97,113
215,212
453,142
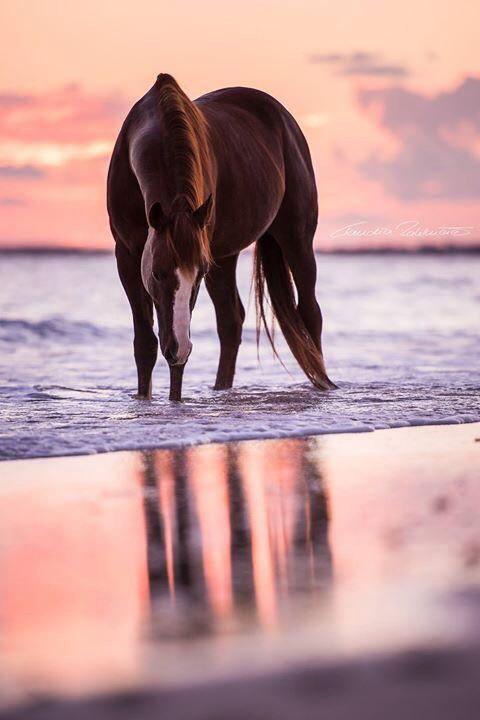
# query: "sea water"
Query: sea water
400,340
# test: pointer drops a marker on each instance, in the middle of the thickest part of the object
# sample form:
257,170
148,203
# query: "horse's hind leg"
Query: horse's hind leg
298,252
222,287
145,343
304,272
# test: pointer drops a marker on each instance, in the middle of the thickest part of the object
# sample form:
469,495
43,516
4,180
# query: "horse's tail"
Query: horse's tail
271,269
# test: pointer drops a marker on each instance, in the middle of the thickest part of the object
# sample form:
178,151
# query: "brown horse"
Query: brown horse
190,185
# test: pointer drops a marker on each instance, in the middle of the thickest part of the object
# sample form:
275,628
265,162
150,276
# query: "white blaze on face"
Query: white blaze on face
181,313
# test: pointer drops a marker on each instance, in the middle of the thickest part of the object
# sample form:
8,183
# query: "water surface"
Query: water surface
401,340
172,566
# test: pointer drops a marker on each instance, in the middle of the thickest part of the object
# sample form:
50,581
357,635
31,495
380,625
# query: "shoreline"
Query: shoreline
251,436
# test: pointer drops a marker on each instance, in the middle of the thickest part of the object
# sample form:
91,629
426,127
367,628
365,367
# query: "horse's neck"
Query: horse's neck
170,152
147,153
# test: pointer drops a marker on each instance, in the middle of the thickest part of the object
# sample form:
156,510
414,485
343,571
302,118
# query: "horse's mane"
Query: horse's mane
187,154
186,147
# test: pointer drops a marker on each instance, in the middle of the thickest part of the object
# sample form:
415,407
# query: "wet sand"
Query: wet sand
338,573
438,685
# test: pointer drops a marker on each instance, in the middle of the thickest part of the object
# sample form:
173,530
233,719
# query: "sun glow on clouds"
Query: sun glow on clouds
57,127
54,151
51,154
347,89
314,120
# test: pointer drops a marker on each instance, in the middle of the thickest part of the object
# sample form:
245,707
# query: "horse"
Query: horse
190,185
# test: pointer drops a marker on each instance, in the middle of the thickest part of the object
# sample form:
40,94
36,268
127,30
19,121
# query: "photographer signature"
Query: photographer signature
406,228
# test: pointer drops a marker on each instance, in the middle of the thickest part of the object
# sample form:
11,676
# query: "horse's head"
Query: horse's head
174,261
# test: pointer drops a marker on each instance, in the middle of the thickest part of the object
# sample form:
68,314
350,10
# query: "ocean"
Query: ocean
400,339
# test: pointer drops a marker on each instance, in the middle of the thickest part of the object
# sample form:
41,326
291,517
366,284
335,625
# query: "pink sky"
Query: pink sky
388,95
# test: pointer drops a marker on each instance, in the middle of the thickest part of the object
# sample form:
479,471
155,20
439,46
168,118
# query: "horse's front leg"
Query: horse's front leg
145,343
222,287
176,379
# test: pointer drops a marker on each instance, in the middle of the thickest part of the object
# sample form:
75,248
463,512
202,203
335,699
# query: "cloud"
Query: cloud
66,115
349,218
314,120
55,128
54,149
21,172
10,201
50,153
403,108
436,135
11,100
359,63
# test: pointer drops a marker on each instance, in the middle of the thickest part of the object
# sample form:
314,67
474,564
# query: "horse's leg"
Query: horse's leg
300,257
145,343
222,287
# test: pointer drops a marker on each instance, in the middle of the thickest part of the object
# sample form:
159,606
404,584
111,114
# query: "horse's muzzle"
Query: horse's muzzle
173,357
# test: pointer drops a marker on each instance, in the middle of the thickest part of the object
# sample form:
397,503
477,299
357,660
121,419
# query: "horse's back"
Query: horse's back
244,102
242,98
256,130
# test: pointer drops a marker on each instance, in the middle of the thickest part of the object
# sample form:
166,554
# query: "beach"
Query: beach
239,360
326,573
268,541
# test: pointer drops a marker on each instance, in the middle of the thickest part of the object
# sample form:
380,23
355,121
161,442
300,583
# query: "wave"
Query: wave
13,330
137,436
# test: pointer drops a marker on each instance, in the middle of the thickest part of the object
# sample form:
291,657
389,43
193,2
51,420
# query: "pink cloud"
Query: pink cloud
66,115
54,152
437,158
55,148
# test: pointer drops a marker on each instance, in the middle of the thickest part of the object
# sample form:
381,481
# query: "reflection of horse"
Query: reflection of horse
221,536
190,185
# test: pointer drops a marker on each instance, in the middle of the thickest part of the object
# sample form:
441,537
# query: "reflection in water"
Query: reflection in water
166,565
233,533
132,550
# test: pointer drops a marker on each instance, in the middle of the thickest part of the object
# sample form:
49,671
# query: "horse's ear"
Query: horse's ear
203,214
156,217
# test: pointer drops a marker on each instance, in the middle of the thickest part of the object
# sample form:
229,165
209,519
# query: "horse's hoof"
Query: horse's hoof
141,397
222,386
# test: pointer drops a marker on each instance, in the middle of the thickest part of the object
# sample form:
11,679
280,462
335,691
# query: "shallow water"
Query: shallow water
175,566
401,340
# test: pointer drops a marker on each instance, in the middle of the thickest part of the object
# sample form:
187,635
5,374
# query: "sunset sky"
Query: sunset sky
387,93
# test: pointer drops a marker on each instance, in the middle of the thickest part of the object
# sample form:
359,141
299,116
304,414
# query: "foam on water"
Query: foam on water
401,341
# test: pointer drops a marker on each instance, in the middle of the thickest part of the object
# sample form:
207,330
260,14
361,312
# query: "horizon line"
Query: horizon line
471,248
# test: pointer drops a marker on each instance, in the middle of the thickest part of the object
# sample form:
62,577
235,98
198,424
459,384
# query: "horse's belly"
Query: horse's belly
244,212
234,237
